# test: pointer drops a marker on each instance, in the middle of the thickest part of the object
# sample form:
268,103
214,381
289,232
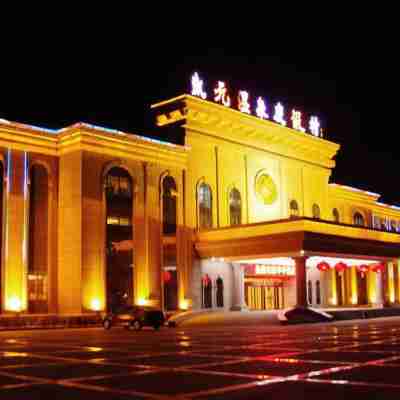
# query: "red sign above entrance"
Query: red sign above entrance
275,270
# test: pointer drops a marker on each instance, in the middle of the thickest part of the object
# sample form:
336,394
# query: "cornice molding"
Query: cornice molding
264,229
83,137
225,123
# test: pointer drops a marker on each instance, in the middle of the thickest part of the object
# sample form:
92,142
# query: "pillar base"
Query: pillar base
156,303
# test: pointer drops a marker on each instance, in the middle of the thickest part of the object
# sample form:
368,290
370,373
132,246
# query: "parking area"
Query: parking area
358,359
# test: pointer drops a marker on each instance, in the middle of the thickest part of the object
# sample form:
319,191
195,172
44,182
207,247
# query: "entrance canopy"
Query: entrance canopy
297,237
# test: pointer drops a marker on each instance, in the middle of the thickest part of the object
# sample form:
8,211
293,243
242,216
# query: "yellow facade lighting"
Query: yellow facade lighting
96,305
14,304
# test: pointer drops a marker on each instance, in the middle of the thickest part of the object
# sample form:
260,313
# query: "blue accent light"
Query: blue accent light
48,130
8,170
109,130
26,171
115,131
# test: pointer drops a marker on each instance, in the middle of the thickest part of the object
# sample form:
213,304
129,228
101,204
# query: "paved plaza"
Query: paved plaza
346,360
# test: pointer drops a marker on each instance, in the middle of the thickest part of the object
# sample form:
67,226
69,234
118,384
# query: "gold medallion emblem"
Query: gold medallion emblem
265,189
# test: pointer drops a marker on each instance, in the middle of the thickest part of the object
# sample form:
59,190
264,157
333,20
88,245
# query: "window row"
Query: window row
204,204
385,224
358,218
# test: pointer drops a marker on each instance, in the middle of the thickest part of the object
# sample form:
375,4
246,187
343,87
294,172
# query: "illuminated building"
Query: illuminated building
241,216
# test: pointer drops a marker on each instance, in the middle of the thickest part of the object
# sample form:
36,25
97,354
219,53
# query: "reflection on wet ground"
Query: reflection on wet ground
344,360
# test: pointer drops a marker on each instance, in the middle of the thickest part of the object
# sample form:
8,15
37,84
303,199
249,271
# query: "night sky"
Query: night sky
115,90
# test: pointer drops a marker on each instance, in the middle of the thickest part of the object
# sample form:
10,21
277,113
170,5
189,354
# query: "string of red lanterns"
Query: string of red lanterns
377,267
340,266
363,268
323,266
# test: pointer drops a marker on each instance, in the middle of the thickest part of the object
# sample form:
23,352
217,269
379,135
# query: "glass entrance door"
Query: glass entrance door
262,297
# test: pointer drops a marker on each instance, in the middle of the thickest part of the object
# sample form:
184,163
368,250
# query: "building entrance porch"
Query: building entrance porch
316,267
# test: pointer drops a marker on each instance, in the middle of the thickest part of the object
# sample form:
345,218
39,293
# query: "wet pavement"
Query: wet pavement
345,360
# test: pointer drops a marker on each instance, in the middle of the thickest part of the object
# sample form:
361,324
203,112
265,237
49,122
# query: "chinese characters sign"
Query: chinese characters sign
272,270
260,108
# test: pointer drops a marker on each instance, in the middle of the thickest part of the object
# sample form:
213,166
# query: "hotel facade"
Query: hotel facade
242,216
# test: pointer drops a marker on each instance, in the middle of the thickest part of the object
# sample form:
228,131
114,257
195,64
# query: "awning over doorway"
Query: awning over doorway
293,237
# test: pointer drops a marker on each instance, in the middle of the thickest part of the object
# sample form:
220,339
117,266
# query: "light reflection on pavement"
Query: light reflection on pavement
344,360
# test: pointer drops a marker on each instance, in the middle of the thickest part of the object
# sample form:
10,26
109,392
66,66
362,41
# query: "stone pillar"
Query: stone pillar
15,232
238,303
70,234
154,235
140,236
385,285
93,234
184,253
396,281
379,289
301,281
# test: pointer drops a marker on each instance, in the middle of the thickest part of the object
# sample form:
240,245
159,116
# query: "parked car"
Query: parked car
134,317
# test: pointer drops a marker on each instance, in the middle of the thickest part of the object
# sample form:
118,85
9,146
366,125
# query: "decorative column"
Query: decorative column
184,249
15,233
385,285
301,281
94,210
154,235
70,234
378,288
396,281
238,303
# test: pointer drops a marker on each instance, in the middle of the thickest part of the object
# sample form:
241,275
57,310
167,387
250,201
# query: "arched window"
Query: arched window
309,292
316,212
169,205
119,239
393,225
38,274
318,292
384,226
294,209
235,207
358,219
335,214
204,199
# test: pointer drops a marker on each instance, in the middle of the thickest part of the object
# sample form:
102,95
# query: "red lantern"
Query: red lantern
363,268
377,267
167,276
340,266
206,280
323,266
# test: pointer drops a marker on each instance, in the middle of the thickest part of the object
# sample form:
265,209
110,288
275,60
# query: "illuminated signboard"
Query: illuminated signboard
275,270
244,104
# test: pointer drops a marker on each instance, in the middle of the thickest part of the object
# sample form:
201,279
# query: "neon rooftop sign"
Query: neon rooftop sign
260,108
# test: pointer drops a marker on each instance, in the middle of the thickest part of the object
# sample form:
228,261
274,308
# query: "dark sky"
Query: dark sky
115,89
